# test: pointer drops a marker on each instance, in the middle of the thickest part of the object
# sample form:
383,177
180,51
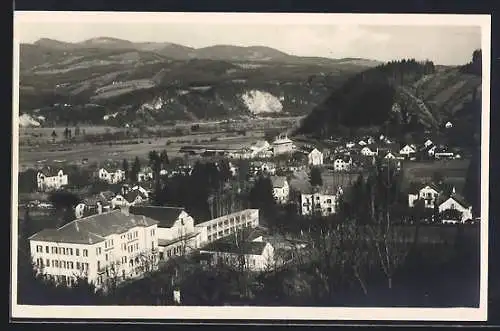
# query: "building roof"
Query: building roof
245,248
133,194
166,216
49,171
278,181
457,197
345,158
93,229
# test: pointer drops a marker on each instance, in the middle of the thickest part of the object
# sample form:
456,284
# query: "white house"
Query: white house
315,157
264,167
282,145
281,189
366,151
131,198
350,145
428,143
343,163
454,208
428,193
226,225
145,174
252,255
111,176
448,125
259,148
407,151
323,204
177,234
362,143
389,156
48,179
104,247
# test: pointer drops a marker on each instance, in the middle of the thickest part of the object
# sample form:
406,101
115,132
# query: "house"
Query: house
126,189
131,198
259,148
111,175
48,179
370,141
350,145
443,153
177,234
101,248
253,255
407,151
366,151
389,156
428,143
428,193
342,163
282,145
315,157
226,225
281,189
96,204
454,208
145,175
362,143
448,125
317,202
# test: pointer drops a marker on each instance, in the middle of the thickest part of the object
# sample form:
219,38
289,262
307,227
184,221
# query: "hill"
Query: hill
398,98
105,80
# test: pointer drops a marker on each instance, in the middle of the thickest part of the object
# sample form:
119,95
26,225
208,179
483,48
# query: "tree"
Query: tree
54,136
77,131
165,162
315,178
261,196
126,169
136,168
64,203
155,164
437,177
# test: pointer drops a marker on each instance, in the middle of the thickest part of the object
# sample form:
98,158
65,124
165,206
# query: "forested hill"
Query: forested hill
396,98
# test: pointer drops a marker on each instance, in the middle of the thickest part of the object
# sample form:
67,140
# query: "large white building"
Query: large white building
48,179
282,145
111,176
226,225
102,248
177,234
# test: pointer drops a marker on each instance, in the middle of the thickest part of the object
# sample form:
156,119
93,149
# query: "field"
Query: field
28,157
453,171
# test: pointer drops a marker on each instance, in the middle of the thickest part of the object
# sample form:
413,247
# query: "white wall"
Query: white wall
452,204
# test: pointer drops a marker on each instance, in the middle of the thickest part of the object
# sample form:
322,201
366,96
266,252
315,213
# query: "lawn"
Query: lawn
453,171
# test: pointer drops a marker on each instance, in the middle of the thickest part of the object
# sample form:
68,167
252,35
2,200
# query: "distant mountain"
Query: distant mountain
125,81
216,52
398,98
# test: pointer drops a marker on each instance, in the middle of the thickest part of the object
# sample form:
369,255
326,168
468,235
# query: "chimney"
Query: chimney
453,190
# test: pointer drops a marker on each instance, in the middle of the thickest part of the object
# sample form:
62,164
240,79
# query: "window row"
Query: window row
61,264
61,250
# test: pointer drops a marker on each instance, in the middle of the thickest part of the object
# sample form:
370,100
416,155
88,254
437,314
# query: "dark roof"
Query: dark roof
165,242
93,229
49,171
278,181
457,197
247,248
166,216
133,194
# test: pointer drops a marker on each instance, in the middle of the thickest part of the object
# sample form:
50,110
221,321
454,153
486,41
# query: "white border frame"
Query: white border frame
263,313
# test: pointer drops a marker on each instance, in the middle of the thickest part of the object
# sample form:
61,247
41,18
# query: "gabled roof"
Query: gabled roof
278,181
93,229
245,248
345,158
166,216
49,171
133,194
457,197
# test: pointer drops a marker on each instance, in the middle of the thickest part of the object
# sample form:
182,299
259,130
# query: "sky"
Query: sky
443,44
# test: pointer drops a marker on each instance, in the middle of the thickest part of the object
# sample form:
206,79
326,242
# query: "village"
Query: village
119,230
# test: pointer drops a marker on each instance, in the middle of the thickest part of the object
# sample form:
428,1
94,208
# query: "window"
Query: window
209,238
105,244
48,263
54,250
98,265
71,251
85,252
71,265
46,249
329,201
77,252
64,251
106,257
64,264
57,264
78,265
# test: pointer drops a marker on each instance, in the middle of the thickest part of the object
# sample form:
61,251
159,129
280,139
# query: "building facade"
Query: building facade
111,176
281,189
323,204
315,158
48,180
226,225
102,248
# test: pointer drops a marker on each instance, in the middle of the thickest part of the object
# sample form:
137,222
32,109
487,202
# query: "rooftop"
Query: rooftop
93,229
165,216
246,248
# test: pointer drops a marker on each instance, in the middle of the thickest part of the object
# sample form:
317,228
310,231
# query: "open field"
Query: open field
422,171
28,157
